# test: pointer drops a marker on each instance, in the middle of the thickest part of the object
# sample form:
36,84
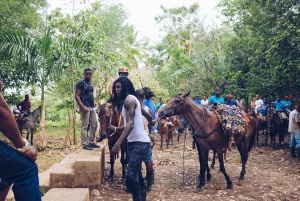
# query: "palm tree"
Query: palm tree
37,63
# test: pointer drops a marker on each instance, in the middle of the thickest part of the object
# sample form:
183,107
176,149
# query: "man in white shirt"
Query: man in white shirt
258,103
204,101
294,129
125,101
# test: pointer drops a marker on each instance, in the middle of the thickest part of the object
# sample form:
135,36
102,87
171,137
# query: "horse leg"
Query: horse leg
222,168
203,158
112,172
243,149
212,166
208,176
31,139
257,137
267,133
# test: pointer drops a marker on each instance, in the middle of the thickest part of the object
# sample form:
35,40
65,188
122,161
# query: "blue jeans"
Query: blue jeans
16,169
137,151
295,139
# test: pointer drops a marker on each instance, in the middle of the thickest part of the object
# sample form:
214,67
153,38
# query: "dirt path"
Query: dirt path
271,175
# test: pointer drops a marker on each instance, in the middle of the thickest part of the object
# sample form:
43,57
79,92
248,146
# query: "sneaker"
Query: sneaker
87,147
93,145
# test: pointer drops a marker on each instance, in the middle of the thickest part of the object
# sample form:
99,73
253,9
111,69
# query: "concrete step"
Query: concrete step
82,170
63,194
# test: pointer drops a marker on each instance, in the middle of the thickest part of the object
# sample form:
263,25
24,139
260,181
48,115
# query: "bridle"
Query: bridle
204,114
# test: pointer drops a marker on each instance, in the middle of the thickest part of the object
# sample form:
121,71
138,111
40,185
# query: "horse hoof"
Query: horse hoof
110,179
229,186
198,188
208,177
240,182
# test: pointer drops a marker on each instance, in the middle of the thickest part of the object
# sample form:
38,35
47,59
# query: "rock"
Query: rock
95,192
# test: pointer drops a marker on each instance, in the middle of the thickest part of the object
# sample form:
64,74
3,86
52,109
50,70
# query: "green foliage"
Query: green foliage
264,50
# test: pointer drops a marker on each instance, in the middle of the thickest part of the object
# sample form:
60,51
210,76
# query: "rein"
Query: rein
110,119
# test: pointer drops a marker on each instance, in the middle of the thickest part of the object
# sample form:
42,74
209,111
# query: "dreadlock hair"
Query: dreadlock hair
148,93
127,89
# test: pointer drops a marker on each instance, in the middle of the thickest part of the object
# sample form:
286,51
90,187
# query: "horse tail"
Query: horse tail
252,138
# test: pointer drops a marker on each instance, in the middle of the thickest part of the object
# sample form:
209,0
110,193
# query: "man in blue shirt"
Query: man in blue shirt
197,100
149,103
263,110
279,107
287,103
216,98
230,100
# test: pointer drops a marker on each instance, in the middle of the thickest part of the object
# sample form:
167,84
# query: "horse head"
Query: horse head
174,106
105,115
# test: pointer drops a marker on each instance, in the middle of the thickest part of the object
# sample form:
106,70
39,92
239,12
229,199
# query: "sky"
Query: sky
142,13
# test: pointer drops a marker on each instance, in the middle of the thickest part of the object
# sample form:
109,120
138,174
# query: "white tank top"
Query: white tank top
138,133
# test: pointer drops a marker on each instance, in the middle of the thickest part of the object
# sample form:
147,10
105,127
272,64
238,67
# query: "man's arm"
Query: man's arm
10,129
77,98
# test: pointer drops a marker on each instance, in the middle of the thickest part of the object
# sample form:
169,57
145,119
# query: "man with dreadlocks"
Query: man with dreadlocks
125,101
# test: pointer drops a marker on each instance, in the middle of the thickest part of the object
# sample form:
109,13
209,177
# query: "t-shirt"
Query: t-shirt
240,103
293,119
279,106
204,102
258,103
87,92
233,102
264,109
287,105
138,133
215,99
149,103
197,102
25,105
158,105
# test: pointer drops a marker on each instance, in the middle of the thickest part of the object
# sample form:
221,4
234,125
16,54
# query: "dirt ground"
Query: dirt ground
271,175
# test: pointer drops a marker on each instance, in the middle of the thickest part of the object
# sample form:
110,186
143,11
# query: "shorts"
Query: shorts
148,157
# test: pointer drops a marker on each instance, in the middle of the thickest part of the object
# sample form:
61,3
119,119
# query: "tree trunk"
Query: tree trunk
42,140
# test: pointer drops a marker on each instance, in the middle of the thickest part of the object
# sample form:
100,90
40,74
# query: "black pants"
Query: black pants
137,151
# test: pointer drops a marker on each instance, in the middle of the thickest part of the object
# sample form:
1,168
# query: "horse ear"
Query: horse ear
186,94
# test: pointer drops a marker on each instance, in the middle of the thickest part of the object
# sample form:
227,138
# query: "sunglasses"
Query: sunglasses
123,74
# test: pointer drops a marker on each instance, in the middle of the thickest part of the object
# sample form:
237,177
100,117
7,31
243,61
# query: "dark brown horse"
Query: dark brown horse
108,115
277,127
209,135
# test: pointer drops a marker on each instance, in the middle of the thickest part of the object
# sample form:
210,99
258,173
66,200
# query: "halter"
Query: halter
110,119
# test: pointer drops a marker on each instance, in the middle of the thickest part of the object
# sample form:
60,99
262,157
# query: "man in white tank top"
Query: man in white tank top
138,141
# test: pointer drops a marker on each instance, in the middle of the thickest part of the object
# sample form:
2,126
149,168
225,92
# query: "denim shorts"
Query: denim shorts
148,157
16,169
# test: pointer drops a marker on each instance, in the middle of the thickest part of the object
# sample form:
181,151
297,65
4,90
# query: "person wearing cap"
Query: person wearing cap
84,96
123,72
230,100
287,103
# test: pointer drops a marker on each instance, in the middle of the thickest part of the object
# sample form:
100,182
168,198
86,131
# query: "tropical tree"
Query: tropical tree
37,63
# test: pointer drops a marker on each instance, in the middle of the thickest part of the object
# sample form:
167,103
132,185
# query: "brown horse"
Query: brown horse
209,135
108,115
166,131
